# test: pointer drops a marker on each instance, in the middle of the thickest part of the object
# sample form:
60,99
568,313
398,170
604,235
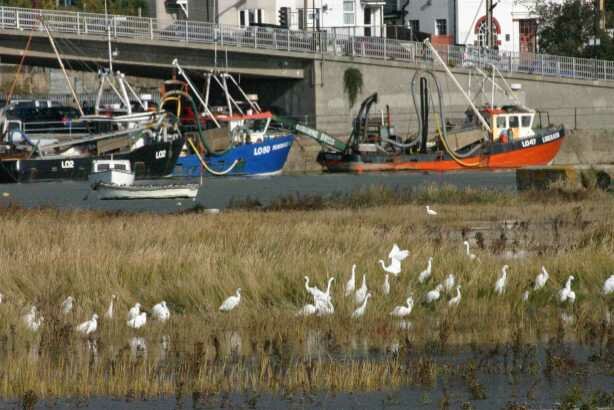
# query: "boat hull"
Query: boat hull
538,150
111,191
154,160
259,159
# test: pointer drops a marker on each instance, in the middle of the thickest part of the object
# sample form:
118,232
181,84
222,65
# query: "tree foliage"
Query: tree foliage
567,28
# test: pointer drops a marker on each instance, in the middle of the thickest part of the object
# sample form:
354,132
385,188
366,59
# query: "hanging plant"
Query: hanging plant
352,84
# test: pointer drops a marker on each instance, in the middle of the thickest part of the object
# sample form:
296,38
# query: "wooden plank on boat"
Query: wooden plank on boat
460,139
113,144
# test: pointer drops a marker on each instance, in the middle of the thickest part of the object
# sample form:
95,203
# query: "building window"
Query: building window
528,35
441,27
414,26
483,35
348,12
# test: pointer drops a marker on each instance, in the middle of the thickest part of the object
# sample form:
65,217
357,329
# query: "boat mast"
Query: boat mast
460,87
55,50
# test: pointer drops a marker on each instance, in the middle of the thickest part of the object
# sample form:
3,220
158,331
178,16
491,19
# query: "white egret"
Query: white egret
360,311
326,296
449,282
608,285
324,307
139,321
307,310
89,326
434,295
397,253
67,305
315,292
502,281
430,211
161,312
469,254
566,294
402,311
33,319
425,274
455,301
541,279
394,267
109,313
386,285
232,302
134,311
351,283
361,293
1,296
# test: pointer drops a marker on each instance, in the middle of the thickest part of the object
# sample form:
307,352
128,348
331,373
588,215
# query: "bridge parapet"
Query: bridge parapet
310,44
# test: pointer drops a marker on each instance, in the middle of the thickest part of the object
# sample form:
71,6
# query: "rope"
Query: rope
211,171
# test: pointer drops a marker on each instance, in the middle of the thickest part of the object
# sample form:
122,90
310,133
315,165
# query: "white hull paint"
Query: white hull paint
109,191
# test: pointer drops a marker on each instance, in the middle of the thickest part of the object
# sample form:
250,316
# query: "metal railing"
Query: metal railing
332,42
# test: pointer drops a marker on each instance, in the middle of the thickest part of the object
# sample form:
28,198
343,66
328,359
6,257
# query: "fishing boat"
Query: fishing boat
151,140
238,138
492,137
114,179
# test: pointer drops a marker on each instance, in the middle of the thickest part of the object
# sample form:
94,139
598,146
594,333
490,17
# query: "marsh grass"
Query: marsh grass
195,261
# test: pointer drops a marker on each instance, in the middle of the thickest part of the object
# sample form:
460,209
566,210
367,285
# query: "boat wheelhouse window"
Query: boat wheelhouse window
501,122
526,120
120,166
103,167
514,122
256,125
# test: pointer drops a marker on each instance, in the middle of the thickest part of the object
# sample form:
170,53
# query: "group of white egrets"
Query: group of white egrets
136,318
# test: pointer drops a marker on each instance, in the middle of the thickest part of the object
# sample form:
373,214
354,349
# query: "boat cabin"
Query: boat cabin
510,122
111,171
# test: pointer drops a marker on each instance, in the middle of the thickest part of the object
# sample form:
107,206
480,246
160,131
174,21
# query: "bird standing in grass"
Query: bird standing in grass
430,211
396,256
110,310
307,310
33,319
566,294
351,283
434,295
314,290
541,279
67,305
360,311
232,302
139,321
134,311
386,285
426,274
161,312
402,311
502,281
361,293
469,254
449,282
608,285
455,301
89,326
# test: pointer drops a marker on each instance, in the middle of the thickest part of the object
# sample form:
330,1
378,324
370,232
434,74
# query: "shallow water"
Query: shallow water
220,192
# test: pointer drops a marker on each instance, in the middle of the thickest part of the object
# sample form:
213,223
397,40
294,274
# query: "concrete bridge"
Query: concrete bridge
301,73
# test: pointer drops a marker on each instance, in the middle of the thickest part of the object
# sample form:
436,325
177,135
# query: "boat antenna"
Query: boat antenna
55,50
457,84
106,20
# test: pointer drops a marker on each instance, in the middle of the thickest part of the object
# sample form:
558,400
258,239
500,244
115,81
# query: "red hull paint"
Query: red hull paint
537,155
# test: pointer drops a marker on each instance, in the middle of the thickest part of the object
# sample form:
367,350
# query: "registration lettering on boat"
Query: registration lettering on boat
262,150
161,154
551,137
67,164
529,142
281,146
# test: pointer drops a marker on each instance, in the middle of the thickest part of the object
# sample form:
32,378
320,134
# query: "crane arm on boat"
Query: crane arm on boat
321,137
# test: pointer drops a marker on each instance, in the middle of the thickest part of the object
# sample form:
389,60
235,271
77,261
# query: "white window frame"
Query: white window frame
445,22
349,13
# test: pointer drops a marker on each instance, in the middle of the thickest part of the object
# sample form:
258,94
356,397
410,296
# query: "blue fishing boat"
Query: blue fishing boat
234,139
259,159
